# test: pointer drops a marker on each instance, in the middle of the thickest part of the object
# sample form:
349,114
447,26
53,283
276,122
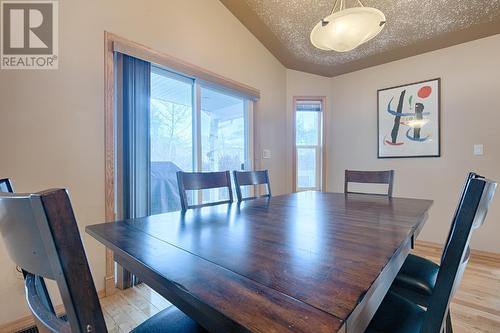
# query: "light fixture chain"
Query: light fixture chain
334,6
342,5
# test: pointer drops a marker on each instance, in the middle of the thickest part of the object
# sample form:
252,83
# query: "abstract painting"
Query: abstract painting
408,120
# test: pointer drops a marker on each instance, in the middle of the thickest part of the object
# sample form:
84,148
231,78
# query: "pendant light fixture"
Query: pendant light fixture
347,28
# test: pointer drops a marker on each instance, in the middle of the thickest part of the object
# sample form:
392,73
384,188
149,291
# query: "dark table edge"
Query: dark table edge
210,318
205,315
362,314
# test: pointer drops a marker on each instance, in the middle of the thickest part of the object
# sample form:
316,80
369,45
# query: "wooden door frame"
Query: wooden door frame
321,99
109,153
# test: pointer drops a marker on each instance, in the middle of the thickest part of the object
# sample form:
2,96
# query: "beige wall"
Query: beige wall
53,124
470,114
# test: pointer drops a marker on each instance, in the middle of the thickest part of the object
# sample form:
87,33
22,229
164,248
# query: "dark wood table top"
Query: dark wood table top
303,262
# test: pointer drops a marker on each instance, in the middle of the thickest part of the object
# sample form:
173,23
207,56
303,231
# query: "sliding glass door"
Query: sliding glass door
168,122
194,127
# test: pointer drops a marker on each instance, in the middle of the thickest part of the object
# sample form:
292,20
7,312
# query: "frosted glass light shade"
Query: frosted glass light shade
347,29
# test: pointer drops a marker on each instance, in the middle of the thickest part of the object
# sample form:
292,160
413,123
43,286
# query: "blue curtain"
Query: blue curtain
134,161
136,83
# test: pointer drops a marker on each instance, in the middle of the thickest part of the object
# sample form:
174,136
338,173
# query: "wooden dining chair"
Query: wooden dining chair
398,314
417,277
248,178
41,235
193,181
369,177
6,185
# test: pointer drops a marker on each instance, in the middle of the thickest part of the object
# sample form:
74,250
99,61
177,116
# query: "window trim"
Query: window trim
321,147
125,46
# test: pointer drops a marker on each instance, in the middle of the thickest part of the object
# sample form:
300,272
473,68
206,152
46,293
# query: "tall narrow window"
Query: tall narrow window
308,144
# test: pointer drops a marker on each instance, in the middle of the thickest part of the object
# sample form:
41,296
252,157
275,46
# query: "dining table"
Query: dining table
301,262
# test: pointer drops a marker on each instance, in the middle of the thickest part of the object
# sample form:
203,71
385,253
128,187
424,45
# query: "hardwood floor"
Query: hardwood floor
126,309
475,308
476,305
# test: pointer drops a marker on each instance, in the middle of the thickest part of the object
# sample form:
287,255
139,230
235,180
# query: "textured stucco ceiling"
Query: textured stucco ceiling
412,27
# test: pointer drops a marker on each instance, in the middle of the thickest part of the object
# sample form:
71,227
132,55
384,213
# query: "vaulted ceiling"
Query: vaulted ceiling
413,27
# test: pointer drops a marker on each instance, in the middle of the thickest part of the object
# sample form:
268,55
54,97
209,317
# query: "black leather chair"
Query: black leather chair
6,185
398,314
41,236
417,277
249,178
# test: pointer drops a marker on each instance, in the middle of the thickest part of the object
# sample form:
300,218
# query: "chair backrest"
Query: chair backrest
247,178
6,185
470,215
192,181
41,236
42,293
369,177
470,175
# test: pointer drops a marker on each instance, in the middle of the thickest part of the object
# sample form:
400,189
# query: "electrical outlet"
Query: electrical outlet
478,149
266,153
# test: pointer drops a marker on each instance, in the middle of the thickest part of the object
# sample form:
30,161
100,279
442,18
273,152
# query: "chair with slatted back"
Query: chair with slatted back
369,177
193,181
249,178
398,314
41,236
6,185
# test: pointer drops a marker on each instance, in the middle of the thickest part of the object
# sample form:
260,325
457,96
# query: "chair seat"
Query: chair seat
396,314
416,279
170,320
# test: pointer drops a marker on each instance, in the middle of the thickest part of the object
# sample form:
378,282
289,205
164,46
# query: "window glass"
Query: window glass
307,127
171,132
306,167
223,139
308,144
223,136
